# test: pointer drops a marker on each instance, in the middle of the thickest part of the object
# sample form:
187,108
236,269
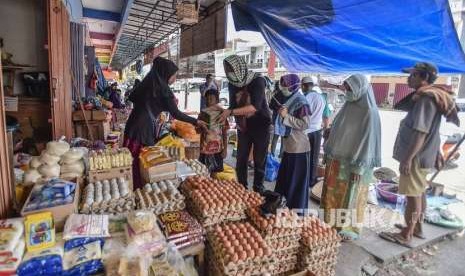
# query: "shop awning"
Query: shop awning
346,36
149,23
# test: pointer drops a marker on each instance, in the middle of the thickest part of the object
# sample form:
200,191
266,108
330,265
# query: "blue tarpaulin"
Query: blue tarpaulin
346,36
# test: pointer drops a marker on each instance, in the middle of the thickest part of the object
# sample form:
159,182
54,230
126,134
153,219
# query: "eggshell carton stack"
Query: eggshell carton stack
198,168
320,245
213,201
111,196
160,197
238,249
282,232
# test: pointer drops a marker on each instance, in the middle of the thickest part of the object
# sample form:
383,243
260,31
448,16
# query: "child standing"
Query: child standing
214,141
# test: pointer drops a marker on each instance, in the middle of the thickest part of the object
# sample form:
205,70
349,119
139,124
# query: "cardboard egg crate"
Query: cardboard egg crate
159,203
209,220
255,269
250,243
319,265
276,228
120,205
211,202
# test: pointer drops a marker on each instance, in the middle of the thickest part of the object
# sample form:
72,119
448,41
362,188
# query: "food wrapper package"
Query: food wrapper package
142,221
9,261
212,139
40,231
151,241
46,262
11,231
180,224
81,226
83,257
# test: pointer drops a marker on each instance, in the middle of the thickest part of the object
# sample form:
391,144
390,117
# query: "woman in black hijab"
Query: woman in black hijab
152,96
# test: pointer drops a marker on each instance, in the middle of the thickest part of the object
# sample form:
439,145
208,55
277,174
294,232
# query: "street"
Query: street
454,180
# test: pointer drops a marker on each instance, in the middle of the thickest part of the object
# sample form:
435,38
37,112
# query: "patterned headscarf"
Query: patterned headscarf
291,81
241,76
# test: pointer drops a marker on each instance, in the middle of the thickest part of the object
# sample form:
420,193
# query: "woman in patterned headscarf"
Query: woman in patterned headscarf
293,120
248,105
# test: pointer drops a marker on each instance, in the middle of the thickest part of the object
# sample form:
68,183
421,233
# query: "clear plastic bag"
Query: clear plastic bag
83,257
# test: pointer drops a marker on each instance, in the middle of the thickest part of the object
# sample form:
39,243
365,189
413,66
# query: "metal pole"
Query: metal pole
457,146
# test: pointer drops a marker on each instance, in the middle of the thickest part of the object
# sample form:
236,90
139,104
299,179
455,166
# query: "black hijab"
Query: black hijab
156,80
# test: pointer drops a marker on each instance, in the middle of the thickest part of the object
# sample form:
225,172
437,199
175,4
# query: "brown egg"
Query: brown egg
267,251
259,252
235,243
227,244
248,246
251,253
239,248
235,258
242,255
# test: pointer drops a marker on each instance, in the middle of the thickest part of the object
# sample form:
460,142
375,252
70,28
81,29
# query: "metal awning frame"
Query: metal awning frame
148,24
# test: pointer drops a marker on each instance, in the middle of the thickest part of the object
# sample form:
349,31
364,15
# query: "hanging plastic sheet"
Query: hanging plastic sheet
347,36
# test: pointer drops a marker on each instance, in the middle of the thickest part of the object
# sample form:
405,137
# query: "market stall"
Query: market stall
82,216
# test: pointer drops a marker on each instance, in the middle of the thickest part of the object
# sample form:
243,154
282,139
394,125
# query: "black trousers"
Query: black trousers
260,140
315,144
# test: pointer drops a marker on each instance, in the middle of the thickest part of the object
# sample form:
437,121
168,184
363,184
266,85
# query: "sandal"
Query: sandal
395,238
400,226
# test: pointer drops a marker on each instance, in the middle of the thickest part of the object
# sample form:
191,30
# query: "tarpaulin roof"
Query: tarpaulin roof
369,36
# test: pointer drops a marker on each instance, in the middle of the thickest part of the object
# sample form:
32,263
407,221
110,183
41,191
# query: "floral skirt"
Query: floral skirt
344,201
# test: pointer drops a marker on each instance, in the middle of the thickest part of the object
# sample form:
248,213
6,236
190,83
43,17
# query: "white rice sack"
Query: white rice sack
57,148
31,177
76,167
72,156
48,159
35,162
70,175
50,171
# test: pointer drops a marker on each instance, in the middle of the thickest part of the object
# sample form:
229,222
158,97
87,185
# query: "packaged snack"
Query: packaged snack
86,226
11,231
180,224
83,257
9,262
46,262
40,231
151,241
142,221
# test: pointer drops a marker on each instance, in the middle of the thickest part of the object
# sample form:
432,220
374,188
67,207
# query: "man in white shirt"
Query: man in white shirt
317,105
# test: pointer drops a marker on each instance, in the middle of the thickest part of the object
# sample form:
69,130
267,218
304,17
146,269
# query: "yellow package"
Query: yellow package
228,173
39,231
170,141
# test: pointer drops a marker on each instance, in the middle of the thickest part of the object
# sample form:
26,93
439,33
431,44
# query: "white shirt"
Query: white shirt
317,105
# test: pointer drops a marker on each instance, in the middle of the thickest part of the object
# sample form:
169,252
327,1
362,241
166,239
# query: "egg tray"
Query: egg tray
319,249
274,226
218,255
316,261
215,218
251,268
159,203
115,206
322,270
285,268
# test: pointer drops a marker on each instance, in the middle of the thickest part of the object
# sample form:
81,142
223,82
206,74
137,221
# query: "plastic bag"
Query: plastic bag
170,259
272,168
81,226
142,221
46,262
83,257
228,173
212,163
